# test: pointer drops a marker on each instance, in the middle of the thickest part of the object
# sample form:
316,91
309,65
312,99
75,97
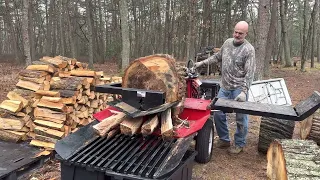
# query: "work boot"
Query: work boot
235,149
222,144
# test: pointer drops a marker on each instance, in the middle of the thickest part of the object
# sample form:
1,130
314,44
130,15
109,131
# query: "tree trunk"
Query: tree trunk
125,54
25,33
284,32
191,32
293,159
90,32
262,38
270,40
314,31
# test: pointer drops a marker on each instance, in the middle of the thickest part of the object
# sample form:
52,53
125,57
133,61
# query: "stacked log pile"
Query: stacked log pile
52,98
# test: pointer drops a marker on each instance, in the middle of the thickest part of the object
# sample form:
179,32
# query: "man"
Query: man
238,65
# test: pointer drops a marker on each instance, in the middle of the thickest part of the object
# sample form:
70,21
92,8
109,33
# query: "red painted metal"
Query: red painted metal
105,113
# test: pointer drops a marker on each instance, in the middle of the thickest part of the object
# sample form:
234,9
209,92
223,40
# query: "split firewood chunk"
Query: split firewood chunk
131,126
42,144
29,85
15,96
11,124
166,124
32,73
12,105
52,105
56,61
35,80
48,132
47,68
12,136
109,123
47,114
150,125
83,73
48,124
47,93
45,138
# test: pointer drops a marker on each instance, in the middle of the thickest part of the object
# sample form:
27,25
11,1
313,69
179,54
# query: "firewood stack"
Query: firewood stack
52,98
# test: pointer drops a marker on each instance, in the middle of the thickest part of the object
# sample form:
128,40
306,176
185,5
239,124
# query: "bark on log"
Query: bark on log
32,73
68,93
271,129
293,159
150,125
310,128
35,80
25,93
156,72
131,126
166,124
107,124
45,138
71,83
12,136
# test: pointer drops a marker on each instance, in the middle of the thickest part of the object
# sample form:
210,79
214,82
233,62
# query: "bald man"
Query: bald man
238,65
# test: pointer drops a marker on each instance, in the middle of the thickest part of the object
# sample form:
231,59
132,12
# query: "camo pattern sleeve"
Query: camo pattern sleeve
238,65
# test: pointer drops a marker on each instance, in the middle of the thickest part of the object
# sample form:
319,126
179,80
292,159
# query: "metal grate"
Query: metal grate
133,155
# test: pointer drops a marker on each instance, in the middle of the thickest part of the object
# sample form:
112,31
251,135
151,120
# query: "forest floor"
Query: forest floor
247,165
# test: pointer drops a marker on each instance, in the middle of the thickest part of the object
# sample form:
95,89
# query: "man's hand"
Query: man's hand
242,97
197,64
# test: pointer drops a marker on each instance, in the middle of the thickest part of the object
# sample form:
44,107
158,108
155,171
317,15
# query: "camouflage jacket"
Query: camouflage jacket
238,65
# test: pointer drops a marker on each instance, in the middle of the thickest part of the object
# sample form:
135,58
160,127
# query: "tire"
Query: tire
271,129
204,142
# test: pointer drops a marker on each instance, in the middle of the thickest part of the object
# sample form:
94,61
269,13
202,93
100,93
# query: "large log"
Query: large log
273,128
310,128
156,72
293,159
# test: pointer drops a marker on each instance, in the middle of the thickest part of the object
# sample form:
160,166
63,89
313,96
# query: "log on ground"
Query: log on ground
310,128
293,159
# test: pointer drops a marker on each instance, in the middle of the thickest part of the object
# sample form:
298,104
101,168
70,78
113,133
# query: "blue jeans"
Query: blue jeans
221,120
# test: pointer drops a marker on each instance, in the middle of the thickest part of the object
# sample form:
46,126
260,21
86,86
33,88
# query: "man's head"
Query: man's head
240,32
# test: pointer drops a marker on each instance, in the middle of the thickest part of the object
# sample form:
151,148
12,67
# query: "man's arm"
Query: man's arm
249,68
217,57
